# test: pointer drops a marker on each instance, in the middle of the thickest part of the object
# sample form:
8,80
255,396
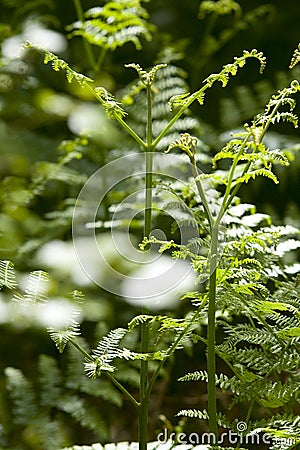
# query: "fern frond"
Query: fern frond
107,350
69,332
7,275
254,174
147,78
222,380
22,394
84,414
295,58
50,380
114,24
138,320
231,69
219,7
109,344
169,82
193,413
59,64
36,289
112,107
195,376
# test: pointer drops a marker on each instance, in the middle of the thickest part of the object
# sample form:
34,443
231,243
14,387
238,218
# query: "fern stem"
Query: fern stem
123,389
144,394
129,130
100,59
226,202
132,133
86,354
179,113
211,327
211,336
111,378
149,166
87,45
201,191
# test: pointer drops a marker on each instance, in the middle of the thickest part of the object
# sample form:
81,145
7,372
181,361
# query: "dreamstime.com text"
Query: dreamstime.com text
229,437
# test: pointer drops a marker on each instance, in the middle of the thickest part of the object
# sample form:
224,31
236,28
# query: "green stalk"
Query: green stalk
126,127
201,191
149,166
144,396
226,202
144,392
87,45
211,336
179,113
122,389
148,195
100,59
211,326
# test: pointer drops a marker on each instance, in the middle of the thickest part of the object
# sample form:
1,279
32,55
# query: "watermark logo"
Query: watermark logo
240,437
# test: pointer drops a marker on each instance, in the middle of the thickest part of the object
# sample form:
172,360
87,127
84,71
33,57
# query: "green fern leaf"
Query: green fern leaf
36,289
295,58
147,78
7,275
193,413
22,394
59,64
112,107
254,174
177,101
219,7
109,345
85,415
107,350
289,332
114,25
70,331
138,320
50,380
195,376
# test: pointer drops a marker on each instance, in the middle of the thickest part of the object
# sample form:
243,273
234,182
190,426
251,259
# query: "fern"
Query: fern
220,7
137,320
7,275
295,58
87,416
23,395
62,337
169,83
36,289
37,409
221,379
193,413
51,381
106,351
114,24
77,381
